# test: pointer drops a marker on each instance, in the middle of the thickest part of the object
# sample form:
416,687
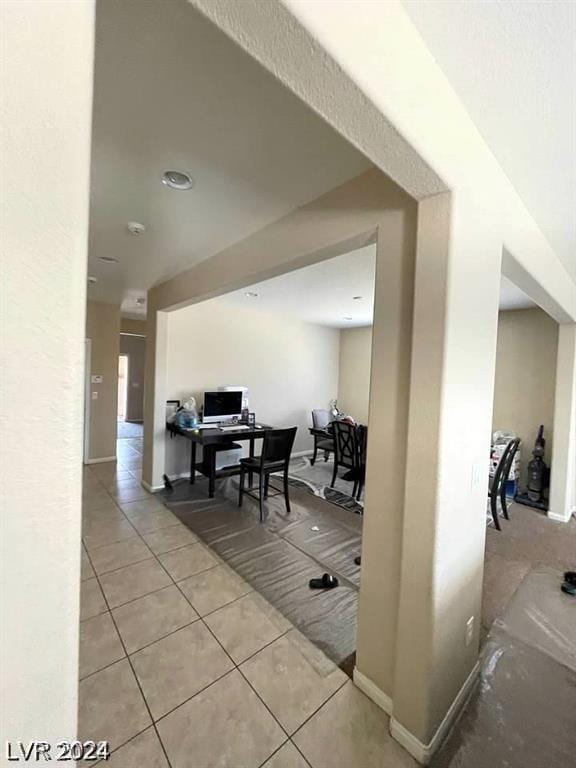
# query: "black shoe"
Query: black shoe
569,588
357,560
570,577
326,582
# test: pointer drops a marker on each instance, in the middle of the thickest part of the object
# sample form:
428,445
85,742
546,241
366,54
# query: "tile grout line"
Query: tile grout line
232,660
134,674
238,667
248,682
288,741
235,666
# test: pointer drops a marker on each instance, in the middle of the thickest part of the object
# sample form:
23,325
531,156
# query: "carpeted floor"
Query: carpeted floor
529,539
522,711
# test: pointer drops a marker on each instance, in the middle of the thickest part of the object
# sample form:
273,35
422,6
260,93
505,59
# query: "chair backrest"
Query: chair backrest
320,418
509,459
500,469
277,445
346,444
362,440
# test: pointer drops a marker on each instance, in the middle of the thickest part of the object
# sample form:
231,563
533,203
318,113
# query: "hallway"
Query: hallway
183,665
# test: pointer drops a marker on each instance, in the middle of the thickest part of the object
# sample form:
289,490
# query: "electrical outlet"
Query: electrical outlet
469,630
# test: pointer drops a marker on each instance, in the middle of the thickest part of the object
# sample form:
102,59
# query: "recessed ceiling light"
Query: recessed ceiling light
347,318
357,298
140,300
177,180
251,295
108,259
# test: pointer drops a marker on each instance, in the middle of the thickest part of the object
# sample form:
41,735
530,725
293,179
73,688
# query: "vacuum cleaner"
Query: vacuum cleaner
538,477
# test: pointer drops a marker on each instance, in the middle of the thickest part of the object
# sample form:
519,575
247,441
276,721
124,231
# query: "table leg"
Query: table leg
251,474
192,462
211,473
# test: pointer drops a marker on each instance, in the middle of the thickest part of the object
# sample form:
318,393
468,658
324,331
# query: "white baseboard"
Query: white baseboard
423,752
103,460
151,488
371,690
561,518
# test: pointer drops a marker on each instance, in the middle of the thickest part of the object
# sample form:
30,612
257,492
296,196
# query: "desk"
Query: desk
211,439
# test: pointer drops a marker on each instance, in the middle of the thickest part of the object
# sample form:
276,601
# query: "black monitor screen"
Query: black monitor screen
222,404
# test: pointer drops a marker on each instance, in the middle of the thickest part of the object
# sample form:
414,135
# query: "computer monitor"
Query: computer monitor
222,405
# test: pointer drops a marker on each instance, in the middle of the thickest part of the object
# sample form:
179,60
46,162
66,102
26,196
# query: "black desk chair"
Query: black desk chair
498,487
322,433
347,454
275,457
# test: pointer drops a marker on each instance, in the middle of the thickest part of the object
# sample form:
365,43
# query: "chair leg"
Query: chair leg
286,494
354,489
266,485
261,496
334,474
503,500
494,508
241,493
360,489
326,456
313,459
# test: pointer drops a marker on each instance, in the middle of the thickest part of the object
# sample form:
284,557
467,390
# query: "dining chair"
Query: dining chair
275,457
346,453
506,473
498,485
321,430
361,446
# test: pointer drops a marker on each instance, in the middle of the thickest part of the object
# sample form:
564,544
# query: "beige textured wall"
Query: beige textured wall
526,377
128,325
354,373
46,52
135,348
288,366
103,329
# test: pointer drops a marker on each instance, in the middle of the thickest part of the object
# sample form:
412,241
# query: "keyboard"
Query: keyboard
233,427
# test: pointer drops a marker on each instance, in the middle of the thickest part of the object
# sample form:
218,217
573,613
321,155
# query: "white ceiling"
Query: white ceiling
322,293
513,65
172,92
512,297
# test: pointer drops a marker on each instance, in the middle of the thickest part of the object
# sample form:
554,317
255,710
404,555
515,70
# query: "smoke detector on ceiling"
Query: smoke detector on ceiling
92,280
135,228
140,301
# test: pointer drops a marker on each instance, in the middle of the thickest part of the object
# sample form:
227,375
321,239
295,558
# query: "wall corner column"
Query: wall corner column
563,465
451,399
155,398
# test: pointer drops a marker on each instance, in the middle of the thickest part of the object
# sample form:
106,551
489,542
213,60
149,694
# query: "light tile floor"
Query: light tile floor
182,665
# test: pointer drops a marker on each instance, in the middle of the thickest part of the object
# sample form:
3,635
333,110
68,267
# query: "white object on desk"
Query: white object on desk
233,428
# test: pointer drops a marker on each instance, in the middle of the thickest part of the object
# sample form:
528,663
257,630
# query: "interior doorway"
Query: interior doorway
123,363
